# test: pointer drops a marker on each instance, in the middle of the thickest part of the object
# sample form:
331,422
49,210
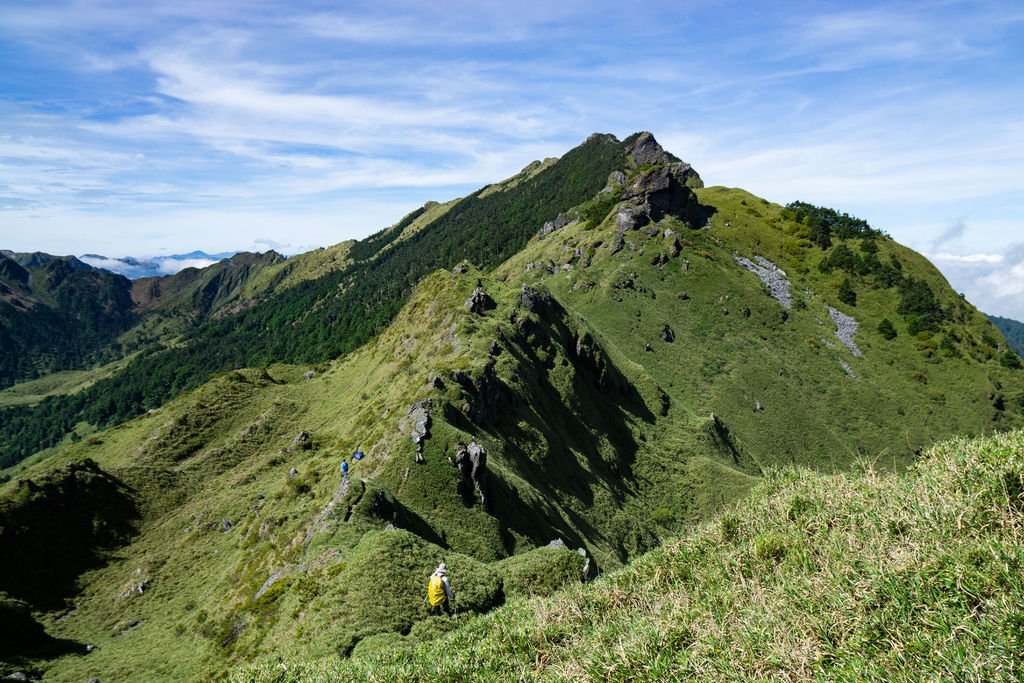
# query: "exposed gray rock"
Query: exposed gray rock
472,463
459,269
225,525
666,191
479,301
533,299
674,248
560,222
615,180
271,580
667,334
630,217
303,440
846,328
646,150
309,374
292,473
416,423
773,277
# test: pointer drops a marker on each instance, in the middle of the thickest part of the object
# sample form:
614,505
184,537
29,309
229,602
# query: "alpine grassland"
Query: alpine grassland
573,374
854,576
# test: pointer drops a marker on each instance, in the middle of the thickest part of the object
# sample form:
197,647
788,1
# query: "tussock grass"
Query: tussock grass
849,576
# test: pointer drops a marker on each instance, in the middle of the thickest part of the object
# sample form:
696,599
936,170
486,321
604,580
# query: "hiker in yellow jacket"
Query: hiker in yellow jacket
439,591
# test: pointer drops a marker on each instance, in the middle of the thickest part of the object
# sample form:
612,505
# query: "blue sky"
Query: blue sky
130,128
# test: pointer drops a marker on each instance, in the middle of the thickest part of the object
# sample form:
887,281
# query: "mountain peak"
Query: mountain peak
645,149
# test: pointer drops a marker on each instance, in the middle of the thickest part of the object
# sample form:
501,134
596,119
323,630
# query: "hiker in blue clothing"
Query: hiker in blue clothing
344,468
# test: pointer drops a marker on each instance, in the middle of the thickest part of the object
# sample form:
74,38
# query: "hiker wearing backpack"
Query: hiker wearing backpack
344,468
439,591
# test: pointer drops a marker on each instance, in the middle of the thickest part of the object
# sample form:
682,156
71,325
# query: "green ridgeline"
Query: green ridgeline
331,314
626,385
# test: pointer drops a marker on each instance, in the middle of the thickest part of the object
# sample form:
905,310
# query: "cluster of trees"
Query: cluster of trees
917,302
329,316
824,223
864,264
918,305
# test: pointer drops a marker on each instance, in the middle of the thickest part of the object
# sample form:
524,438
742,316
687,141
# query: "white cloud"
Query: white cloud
170,266
966,258
993,282
110,264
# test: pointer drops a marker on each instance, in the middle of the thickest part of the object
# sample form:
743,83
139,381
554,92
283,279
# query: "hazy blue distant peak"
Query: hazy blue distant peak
134,268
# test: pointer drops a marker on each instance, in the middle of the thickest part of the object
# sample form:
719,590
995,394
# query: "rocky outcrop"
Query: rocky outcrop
479,301
302,441
416,424
631,217
590,356
664,191
533,299
646,150
560,222
472,463
663,186
616,179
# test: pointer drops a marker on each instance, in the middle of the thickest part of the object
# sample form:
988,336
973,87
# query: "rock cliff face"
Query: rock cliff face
472,463
662,186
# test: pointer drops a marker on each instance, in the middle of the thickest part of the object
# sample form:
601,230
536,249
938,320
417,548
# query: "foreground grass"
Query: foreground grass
841,577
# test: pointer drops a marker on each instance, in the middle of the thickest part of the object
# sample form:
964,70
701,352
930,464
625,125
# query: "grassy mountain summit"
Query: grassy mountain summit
630,350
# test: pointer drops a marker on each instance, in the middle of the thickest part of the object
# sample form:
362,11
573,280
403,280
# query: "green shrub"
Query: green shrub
886,329
541,571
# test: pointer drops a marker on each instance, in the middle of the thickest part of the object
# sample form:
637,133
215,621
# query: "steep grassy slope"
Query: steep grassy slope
857,576
626,371
785,388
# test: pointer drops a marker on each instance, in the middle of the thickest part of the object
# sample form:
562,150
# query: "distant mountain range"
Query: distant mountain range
1012,330
154,266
